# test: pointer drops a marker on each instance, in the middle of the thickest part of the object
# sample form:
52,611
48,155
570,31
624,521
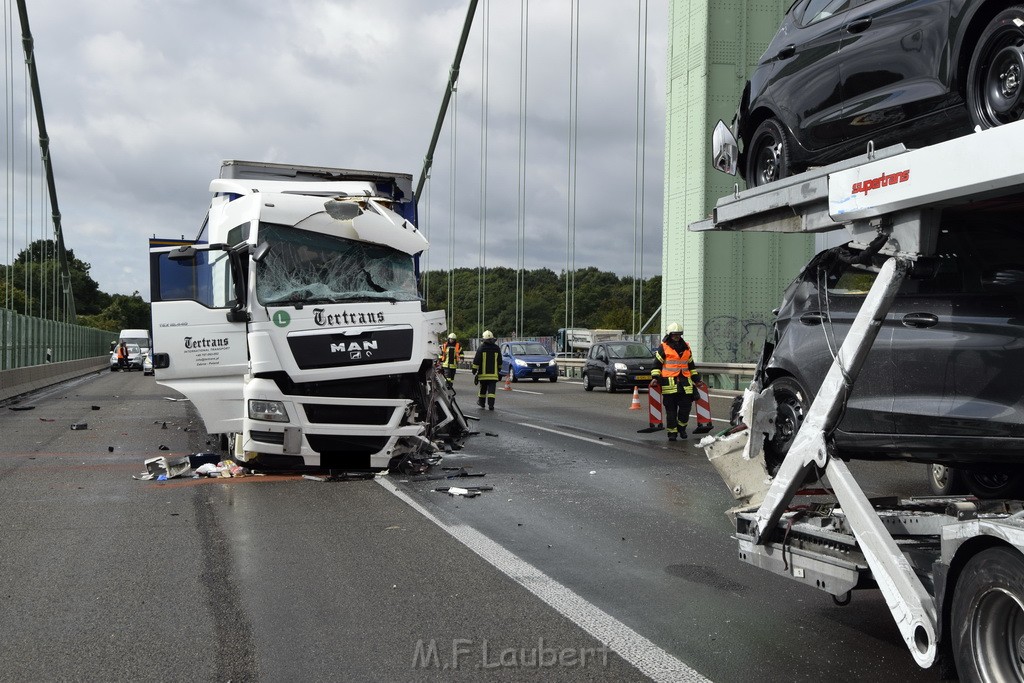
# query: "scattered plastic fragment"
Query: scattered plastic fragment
21,408
162,447
162,468
163,426
593,471
46,419
80,425
490,434
464,491
110,449
95,407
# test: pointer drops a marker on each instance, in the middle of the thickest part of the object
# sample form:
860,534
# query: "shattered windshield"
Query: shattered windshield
310,267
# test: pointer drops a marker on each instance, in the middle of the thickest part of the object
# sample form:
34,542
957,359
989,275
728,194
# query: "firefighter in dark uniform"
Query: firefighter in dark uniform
676,372
486,370
451,353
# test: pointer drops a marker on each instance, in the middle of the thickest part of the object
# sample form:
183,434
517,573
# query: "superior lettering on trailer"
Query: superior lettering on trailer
325,319
884,180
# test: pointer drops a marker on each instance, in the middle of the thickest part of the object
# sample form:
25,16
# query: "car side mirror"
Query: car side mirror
725,151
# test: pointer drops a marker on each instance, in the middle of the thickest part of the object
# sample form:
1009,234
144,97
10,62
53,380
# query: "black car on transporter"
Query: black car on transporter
944,381
840,73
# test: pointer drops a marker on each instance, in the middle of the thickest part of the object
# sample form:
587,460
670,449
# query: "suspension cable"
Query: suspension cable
453,130
481,275
570,232
639,165
524,40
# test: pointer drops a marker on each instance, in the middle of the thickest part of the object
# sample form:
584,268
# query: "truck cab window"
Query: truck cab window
311,267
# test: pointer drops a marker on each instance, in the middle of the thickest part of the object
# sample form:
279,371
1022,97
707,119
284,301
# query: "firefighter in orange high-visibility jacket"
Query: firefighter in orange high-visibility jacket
675,370
451,353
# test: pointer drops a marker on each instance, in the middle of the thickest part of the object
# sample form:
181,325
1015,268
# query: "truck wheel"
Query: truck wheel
792,402
587,386
996,483
609,384
988,617
945,481
767,154
995,78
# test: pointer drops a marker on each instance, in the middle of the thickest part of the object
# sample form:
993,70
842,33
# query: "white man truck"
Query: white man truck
951,569
297,329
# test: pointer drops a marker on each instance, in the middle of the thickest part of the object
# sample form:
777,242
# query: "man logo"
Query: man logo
356,347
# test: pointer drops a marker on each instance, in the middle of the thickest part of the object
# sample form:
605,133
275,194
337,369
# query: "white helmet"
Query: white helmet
452,337
488,334
674,327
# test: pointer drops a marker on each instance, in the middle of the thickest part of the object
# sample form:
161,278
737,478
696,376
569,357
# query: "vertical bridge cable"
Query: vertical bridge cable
639,168
524,35
9,250
481,277
424,226
451,211
570,228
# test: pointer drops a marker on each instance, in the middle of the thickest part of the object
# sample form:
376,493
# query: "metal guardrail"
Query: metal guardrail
729,376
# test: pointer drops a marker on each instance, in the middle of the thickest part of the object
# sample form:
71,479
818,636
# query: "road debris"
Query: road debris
80,425
21,408
464,491
95,407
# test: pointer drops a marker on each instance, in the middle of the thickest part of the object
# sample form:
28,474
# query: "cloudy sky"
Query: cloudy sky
144,99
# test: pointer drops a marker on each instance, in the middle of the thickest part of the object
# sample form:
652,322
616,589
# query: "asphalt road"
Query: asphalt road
592,534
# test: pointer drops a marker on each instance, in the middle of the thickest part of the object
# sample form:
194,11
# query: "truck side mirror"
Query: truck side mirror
260,252
184,253
161,360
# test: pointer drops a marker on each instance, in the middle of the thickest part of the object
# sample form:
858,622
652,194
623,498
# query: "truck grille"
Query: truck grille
353,415
335,349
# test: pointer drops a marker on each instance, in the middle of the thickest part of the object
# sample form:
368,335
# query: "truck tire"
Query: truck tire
988,616
946,481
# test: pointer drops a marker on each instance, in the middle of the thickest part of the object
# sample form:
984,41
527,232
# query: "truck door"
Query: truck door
199,329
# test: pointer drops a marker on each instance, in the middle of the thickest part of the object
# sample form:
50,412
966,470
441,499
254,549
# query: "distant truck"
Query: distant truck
298,331
579,340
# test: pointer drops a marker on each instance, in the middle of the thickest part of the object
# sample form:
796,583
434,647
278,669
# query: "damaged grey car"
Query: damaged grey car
942,382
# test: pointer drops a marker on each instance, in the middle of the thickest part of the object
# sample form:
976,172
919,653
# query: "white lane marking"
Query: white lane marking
650,659
524,391
572,436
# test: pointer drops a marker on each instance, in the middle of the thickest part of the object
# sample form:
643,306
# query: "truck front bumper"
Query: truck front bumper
327,432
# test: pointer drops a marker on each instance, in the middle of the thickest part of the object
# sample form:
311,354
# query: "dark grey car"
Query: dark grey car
618,365
943,380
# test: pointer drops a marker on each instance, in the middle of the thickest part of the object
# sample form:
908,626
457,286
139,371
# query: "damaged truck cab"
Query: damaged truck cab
297,330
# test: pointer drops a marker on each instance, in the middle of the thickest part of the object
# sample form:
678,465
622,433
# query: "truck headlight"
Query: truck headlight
269,411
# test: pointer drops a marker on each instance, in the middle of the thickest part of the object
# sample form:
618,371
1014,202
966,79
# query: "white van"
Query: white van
140,337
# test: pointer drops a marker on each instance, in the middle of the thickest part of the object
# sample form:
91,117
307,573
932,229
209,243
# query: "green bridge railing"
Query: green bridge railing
26,340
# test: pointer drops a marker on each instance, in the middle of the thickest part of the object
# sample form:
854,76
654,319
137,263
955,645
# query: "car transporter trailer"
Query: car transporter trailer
951,569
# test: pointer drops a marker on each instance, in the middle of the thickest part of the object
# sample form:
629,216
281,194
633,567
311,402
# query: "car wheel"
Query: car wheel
987,617
791,407
994,483
514,378
587,386
945,481
767,154
609,385
553,379
995,78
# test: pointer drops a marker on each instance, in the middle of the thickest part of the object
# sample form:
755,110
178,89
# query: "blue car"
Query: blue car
528,360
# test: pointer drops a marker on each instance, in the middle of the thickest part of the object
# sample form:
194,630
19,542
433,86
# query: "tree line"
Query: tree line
29,281
598,299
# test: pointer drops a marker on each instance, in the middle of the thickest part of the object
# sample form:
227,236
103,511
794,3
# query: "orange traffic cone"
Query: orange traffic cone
636,399
508,382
